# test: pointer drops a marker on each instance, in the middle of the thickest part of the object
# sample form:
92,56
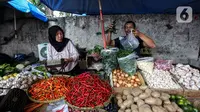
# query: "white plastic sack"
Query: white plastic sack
146,64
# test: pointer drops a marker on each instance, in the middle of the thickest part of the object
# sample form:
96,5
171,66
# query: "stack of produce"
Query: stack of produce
22,80
49,89
187,76
144,99
160,79
121,79
87,90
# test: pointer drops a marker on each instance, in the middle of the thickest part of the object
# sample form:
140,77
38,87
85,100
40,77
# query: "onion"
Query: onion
115,84
114,77
129,85
137,80
135,85
120,81
118,74
133,77
126,75
129,78
114,80
132,81
118,85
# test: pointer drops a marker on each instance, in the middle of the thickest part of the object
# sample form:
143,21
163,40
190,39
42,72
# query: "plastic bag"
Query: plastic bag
130,42
128,64
109,59
163,64
146,64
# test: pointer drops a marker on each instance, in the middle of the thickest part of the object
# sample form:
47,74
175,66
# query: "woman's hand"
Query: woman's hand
68,60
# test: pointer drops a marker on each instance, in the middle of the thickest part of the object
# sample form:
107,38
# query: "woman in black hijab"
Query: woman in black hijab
61,48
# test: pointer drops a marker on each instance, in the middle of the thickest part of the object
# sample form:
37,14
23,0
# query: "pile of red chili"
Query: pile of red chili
49,89
87,90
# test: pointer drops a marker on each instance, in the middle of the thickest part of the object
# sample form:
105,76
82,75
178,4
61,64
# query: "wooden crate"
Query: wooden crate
120,89
192,93
170,91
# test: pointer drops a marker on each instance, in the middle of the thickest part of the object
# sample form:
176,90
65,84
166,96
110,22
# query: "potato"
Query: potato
136,91
140,102
147,110
126,92
128,103
128,110
135,99
119,101
129,97
179,110
148,91
165,96
124,97
175,105
144,95
119,96
167,102
155,94
170,108
157,109
143,87
158,101
120,110
135,110
122,106
150,101
133,106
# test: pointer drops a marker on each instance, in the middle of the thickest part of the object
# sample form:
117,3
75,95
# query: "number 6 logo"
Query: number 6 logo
184,14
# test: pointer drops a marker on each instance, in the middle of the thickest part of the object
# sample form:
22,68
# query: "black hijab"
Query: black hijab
59,46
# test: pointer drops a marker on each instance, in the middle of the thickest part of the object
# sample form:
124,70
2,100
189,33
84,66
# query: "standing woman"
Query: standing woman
61,48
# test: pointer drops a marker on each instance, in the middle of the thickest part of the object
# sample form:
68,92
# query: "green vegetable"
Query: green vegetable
195,110
123,53
97,49
178,97
180,102
173,97
41,68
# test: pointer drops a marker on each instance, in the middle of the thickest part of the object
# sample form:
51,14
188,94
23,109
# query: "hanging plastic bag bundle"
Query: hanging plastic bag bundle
109,59
130,42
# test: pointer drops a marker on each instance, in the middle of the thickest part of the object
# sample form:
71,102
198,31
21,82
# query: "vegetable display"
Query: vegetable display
121,79
144,99
160,80
183,103
48,89
6,68
109,57
187,76
22,81
87,90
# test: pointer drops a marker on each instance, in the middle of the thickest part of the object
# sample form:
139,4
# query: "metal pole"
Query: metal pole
102,25
15,24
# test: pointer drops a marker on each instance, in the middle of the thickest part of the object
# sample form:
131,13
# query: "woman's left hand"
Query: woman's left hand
68,60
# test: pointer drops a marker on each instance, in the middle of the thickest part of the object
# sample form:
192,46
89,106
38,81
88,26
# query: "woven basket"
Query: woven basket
47,101
90,108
